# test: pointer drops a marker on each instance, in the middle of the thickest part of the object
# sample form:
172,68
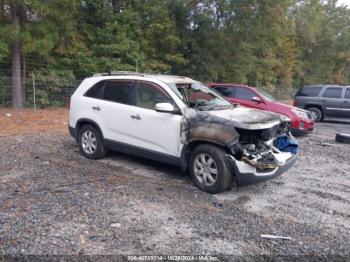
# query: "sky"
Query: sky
345,2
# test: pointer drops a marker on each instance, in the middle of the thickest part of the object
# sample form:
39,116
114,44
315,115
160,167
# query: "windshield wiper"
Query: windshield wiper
213,107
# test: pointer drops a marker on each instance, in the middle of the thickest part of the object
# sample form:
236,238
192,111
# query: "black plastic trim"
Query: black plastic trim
141,152
71,131
186,150
85,120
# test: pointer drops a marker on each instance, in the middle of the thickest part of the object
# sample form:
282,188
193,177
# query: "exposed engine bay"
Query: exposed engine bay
259,139
258,148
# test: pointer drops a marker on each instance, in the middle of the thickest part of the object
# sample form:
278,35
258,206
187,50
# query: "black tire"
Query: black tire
342,138
317,112
224,174
100,150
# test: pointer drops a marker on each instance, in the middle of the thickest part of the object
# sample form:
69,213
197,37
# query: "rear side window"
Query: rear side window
223,90
347,93
118,91
243,93
96,90
309,91
333,92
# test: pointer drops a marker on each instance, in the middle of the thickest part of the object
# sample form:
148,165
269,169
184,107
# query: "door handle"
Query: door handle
137,117
97,108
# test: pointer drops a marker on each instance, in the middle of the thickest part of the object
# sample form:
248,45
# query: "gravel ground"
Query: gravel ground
54,201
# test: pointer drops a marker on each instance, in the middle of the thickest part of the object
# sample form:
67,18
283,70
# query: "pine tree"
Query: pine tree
159,41
265,43
32,26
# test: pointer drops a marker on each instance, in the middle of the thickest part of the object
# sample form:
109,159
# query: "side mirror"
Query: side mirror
165,108
256,99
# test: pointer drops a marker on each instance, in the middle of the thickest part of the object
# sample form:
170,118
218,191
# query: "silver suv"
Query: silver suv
324,100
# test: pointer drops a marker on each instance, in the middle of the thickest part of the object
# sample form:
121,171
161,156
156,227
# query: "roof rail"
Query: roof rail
118,73
181,77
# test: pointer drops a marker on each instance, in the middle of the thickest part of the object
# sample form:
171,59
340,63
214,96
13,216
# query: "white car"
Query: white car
180,121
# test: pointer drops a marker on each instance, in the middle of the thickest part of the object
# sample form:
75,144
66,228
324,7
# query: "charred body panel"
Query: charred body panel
201,126
250,151
207,127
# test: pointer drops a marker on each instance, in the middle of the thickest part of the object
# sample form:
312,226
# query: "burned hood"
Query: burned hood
247,118
219,126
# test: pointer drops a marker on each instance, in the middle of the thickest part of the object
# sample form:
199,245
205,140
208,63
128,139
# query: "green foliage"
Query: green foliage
323,42
4,52
274,44
42,98
53,87
55,78
42,23
159,43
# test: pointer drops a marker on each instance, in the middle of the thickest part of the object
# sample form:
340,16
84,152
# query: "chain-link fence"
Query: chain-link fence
39,92
5,91
46,91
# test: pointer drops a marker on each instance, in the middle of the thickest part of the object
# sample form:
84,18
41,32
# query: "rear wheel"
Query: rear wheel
316,113
91,143
209,170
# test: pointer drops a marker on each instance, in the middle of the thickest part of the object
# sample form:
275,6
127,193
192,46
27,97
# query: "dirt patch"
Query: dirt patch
54,201
29,122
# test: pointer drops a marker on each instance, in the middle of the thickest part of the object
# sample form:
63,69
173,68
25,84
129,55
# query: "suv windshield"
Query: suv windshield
267,95
198,96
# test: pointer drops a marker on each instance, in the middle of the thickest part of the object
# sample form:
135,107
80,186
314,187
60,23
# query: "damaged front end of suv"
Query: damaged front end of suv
259,144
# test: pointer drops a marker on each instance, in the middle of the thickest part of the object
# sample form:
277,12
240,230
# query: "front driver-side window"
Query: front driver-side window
223,90
243,93
148,95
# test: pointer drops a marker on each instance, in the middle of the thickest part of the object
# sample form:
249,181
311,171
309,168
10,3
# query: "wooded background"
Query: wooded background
275,44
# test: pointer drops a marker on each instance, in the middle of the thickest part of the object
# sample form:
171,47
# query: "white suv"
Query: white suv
180,121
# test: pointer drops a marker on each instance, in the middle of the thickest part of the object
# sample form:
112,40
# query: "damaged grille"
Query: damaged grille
255,147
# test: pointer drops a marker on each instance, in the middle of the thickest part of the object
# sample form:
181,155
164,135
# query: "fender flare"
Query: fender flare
186,150
83,121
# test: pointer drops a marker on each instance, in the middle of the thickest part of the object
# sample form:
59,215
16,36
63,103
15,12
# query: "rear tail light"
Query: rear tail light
294,102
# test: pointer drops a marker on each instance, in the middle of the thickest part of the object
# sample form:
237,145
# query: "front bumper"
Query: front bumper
301,132
246,174
303,127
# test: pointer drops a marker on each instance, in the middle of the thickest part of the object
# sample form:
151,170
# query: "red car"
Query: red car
301,120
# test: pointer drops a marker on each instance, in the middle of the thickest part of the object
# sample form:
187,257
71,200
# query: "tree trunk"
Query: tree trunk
2,10
23,78
17,96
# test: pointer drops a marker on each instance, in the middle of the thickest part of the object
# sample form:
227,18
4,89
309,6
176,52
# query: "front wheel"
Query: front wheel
209,169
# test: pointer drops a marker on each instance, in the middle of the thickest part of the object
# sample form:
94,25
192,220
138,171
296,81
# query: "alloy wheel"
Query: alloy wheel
205,169
89,142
